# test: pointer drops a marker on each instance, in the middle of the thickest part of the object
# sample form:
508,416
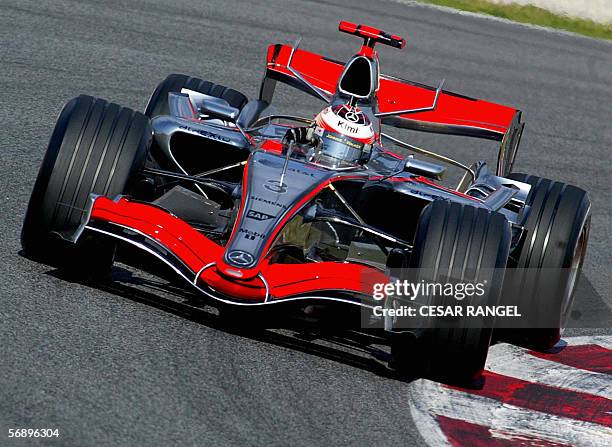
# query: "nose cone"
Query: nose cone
268,203
219,279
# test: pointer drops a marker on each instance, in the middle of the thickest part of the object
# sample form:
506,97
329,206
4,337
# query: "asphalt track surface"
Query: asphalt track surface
121,368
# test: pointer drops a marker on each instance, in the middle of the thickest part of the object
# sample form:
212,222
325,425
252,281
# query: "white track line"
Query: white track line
428,399
496,19
422,406
605,341
516,362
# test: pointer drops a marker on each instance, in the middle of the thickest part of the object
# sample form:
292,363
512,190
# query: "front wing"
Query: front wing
193,256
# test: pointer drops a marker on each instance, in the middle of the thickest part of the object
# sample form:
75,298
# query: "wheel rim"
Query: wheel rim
574,273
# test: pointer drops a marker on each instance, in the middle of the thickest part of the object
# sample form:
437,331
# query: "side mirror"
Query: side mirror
219,110
424,168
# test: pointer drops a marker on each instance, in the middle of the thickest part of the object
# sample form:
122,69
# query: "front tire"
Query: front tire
95,148
549,262
455,242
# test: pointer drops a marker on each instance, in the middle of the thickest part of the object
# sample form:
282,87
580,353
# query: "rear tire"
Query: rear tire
557,225
95,147
158,103
455,242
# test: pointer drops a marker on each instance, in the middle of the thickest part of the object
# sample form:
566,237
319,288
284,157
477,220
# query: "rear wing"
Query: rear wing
453,114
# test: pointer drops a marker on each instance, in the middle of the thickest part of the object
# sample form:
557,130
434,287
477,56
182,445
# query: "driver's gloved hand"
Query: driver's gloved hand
298,139
297,135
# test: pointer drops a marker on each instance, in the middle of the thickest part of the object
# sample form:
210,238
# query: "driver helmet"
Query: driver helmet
345,137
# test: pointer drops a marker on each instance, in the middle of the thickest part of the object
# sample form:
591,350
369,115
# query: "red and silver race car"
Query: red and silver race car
255,209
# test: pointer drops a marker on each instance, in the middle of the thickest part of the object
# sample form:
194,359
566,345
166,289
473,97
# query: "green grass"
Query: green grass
531,14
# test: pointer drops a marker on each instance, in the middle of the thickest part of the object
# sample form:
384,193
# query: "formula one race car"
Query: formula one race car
253,208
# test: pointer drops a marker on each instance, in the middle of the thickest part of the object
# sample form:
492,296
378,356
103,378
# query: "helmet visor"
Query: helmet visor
338,151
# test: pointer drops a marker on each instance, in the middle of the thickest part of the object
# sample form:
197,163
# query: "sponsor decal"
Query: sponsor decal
352,116
206,134
346,120
330,136
301,171
241,258
269,202
276,186
343,125
258,215
250,235
416,192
